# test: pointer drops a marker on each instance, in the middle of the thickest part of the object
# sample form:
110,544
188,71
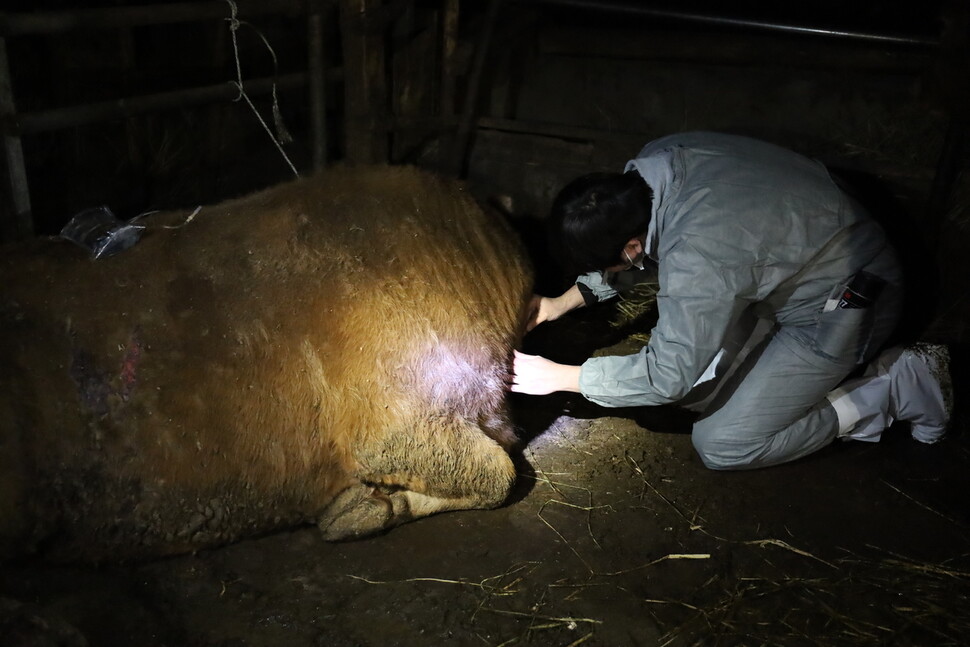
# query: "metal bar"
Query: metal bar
595,135
58,118
315,66
18,223
640,10
52,22
559,131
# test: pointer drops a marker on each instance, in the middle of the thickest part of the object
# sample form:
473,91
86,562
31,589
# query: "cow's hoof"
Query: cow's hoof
357,512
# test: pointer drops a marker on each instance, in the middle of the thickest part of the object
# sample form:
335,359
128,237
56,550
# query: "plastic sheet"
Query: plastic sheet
100,232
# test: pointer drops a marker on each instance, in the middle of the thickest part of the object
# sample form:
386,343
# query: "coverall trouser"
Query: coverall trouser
773,408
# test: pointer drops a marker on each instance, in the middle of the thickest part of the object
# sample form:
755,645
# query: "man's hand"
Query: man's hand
539,311
551,308
535,375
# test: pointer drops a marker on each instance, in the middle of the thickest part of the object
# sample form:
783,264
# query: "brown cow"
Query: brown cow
332,350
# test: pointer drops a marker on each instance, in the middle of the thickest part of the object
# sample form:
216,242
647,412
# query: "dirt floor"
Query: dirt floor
616,536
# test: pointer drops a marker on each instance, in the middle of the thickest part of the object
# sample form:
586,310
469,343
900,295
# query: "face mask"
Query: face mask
638,262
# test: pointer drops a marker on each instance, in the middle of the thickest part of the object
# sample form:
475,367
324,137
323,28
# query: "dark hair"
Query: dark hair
594,217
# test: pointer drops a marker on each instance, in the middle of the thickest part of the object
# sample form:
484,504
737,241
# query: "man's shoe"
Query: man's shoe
921,389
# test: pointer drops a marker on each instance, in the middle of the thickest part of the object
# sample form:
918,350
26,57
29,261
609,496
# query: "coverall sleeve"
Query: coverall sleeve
595,284
701,296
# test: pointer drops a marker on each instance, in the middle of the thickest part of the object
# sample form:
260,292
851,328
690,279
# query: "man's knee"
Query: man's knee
720,451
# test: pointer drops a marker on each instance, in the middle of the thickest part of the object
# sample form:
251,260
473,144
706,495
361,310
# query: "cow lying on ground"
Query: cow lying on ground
332,350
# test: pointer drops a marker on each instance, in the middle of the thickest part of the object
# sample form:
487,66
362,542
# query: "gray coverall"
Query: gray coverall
743,230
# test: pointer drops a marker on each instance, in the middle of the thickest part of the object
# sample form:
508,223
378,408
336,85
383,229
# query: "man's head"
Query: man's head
601,220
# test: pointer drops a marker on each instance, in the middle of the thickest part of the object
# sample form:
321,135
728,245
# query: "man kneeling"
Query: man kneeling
775,286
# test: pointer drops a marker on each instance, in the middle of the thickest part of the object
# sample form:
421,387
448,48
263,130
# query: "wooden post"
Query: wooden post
449,75
219,49
365,87
317,88
954,58
414,83
449,71
16,221
463,139
133,128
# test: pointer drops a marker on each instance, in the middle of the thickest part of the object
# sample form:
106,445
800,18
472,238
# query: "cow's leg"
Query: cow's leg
443,465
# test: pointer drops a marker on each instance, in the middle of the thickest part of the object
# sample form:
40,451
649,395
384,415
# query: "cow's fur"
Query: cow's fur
332,350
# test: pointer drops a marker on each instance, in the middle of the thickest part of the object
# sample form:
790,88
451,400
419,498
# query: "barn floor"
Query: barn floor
617,536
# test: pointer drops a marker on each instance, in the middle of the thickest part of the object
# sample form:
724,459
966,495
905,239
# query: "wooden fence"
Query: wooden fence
421,102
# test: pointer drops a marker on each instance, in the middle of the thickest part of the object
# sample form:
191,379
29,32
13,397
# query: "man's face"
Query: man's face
631,256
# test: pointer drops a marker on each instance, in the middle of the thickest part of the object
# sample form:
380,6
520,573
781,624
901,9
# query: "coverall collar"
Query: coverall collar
658,172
